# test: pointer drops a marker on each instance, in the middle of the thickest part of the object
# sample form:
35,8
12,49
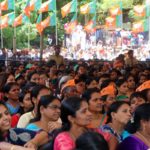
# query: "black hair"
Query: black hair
30,74
105,83
36,90
120,82
87,94
142,112
137,95
89,80
2,138
91,141
69,107
44,101
8,86
114,107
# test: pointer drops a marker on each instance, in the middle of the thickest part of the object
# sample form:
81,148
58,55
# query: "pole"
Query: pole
14,37
2,42
56,33
28,36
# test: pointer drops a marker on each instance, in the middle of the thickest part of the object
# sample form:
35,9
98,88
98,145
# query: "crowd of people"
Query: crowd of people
75,105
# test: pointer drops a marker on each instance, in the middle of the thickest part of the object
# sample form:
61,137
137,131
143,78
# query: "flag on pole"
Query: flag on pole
69,8
88,8
49,5
90,26
7,5
32,5
139,10
49,21
7,20
69,27
140,26
22,18
110,22
115,10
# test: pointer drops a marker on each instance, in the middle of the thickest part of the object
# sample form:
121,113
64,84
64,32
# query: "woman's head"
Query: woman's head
93,98
142,118
33,77
74,111
37,92
122,86
11,91
136,99
25,101
130,81
91,83
119,112
48,108
6,78
91,141
5,118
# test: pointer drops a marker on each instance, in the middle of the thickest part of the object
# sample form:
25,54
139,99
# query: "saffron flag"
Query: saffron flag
115,10
22,18
139,10
49,21
88,8
7,5
69,27
49,5
110,22
69,8
140,26
7,20
32,5
90,26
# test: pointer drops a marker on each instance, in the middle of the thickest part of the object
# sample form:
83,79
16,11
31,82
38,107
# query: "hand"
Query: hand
53,125
30,144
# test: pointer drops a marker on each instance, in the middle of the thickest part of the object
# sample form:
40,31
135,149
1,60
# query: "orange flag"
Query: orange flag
139,10
110,22
66,9
115,10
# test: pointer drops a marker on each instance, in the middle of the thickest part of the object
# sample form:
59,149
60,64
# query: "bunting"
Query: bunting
50,5
22,18
49,21
140,26
7,5
110,22
139,10
90,26
115,10
7,20
69,8
32,5
69,27
88,8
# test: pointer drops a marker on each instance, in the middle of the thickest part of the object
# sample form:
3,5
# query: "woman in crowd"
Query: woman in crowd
141,139
75,118
91,83
95,103
131,84
11,91
48,111
36,93
122,88
7,134
25,102
118,116
34,77
4,79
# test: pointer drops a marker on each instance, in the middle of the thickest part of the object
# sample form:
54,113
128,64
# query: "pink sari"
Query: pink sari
64,142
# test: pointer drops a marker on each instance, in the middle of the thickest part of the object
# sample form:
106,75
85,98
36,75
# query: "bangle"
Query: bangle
12,148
